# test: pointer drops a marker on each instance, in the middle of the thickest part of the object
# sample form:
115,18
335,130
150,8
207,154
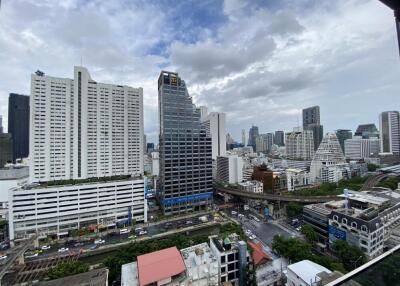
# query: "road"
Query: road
265,231
87,243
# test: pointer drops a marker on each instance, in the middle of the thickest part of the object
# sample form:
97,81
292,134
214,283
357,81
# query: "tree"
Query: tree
294,209
350,255
309,233
67,269
390,183
372,167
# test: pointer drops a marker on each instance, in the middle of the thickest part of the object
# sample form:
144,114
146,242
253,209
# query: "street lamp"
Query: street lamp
395,6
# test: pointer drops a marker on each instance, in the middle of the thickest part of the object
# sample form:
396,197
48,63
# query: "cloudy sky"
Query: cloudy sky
261,62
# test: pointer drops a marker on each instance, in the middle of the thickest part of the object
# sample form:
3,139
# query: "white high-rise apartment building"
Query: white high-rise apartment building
230,169
389,129
215,127
91,133
81,128
358,148
300,144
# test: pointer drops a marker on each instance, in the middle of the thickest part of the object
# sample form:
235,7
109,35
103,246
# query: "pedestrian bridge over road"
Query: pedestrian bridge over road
278,198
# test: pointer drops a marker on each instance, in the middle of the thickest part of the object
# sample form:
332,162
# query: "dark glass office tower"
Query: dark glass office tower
253,134
18,124
185,149
311,121
279,138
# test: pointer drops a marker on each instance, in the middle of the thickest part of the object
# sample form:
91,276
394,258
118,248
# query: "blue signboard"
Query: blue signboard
337,233
191,198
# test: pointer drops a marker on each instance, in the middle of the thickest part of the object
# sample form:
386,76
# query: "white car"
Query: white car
99,241
233,212
45,247
123,231
2,257
248,231
63,249
142,232
31,255
252,237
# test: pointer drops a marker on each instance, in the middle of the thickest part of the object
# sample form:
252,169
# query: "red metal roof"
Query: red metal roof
159,265
259,256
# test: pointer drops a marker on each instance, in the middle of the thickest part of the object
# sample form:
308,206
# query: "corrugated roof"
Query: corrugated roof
259,256
159,265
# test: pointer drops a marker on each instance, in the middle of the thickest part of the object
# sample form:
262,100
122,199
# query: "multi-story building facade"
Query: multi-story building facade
253,134
329,163
232,257
367,131
86,157
366,220
57,209
279,138
18,124
252,186
342,135
243,137
358,148
184,147
389,127
230,169
261,143
80,128
311,121
300,144
215,127
273,181
297,179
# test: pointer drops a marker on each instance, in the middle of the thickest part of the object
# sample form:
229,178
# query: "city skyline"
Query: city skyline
200,51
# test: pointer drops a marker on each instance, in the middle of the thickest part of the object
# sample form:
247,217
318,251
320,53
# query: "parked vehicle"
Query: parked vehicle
99,241
63,249
45,247
123,231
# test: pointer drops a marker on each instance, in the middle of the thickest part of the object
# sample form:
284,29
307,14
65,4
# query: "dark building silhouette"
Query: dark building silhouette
272,181
279,138
253,134
6,151
311,121
342,135
367,131
18,124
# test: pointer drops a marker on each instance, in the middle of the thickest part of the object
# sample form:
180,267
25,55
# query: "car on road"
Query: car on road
234,212
240,215
142,232
123,231
2,257
188,222
94,246
99,241
252,237
63,249
299,228
31,254
45,247
248,232
78,244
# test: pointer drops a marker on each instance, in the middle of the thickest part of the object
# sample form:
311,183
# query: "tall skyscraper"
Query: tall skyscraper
279,138
311,121
342,135
203,112
270,140
18,124
243,137
215,127
185,149
300,145
389,125
80,128
253,134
